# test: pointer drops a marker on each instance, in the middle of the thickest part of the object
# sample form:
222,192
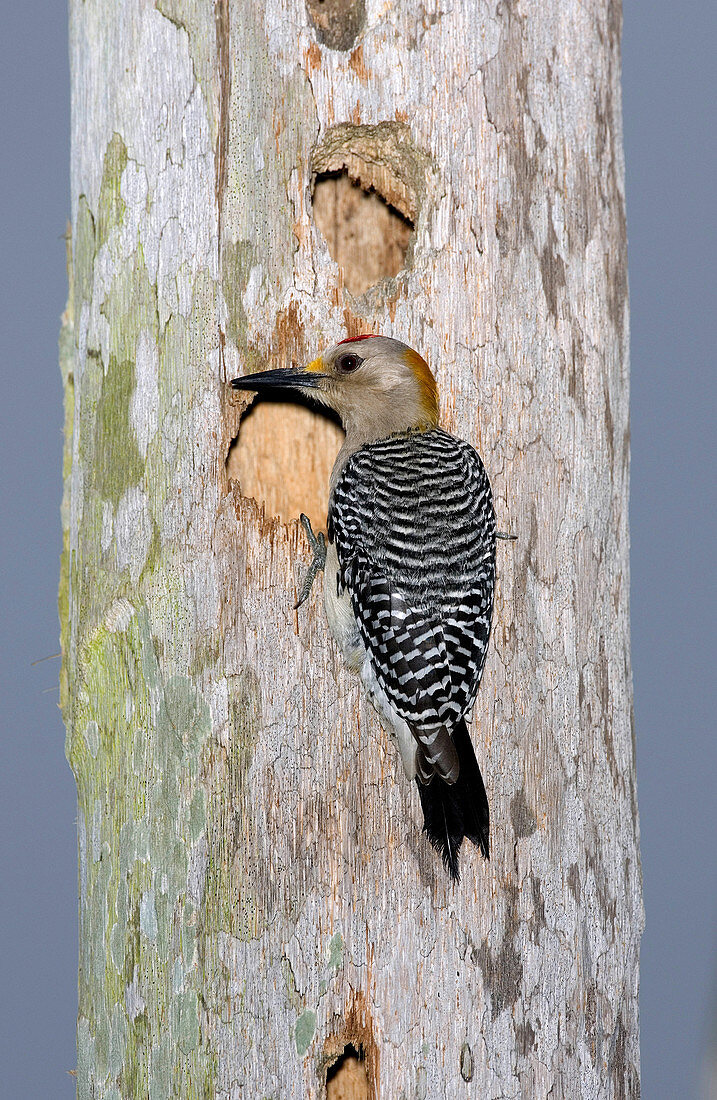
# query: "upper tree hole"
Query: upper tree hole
346,1078
337,23
369,188
367,236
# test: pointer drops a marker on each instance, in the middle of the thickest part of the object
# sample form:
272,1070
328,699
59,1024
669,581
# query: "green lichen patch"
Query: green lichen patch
63,606
304,1031
336,952
110,206
67,364
130,307
138,828
183,722
139,727
197,814
84,249
118,462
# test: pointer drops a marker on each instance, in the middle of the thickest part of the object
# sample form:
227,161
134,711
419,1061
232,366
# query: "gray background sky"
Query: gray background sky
669,67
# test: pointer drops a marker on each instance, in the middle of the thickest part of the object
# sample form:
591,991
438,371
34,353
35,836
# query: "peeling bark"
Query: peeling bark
255,892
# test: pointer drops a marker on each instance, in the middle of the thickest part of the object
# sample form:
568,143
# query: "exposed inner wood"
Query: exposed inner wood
283,457
347,1079
366,236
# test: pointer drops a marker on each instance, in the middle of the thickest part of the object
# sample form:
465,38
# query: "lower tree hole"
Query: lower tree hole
367,237
283,457
346,1078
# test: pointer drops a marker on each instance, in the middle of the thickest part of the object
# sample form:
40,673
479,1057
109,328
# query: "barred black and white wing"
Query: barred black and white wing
414,529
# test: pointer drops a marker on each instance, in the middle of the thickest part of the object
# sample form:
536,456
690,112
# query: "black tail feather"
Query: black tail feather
451,812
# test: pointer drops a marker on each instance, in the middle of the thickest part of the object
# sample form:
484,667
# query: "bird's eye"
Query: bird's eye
347,364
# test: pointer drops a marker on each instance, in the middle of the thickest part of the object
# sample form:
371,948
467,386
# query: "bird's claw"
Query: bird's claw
318,546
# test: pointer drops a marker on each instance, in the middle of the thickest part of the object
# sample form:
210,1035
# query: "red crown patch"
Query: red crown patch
353,339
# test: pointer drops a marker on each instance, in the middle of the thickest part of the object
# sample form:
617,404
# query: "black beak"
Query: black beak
283,378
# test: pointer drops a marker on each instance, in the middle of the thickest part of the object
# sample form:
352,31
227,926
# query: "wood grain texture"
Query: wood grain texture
255,892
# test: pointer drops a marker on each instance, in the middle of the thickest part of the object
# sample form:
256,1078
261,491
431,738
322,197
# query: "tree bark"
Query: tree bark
255,891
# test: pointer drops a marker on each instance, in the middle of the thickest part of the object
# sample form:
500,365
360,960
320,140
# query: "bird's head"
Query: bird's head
378,386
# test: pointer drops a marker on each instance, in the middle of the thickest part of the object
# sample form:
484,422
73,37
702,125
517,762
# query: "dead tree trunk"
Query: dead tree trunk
251,182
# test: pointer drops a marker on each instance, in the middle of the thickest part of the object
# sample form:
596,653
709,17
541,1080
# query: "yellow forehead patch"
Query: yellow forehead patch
316,365
427,383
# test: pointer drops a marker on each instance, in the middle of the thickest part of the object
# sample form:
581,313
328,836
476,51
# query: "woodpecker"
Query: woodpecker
409,569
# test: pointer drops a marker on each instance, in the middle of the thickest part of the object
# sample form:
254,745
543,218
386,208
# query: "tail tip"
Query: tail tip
448,853
481,840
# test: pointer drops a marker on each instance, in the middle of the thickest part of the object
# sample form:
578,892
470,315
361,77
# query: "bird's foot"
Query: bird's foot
506,536
318,546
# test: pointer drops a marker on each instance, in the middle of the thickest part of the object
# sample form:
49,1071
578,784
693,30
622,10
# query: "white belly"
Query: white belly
339,612
342,625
